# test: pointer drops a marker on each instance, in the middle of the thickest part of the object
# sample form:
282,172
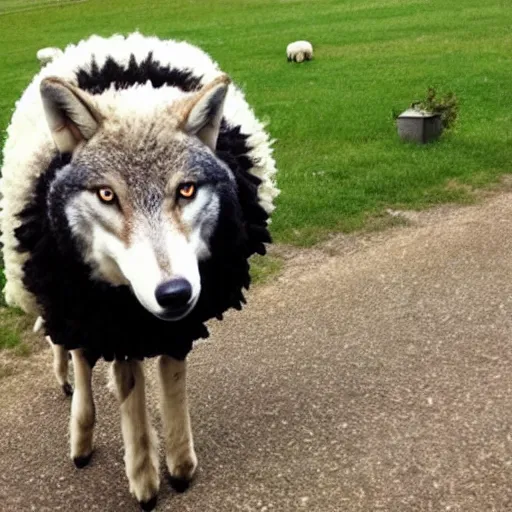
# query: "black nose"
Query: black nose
174,294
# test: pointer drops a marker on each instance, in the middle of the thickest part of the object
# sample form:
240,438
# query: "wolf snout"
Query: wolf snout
174,295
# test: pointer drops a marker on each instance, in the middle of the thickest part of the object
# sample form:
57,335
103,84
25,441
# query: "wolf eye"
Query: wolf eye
187,190
106,195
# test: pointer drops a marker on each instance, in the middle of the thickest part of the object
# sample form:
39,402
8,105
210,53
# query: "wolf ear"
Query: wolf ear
70,114
202,113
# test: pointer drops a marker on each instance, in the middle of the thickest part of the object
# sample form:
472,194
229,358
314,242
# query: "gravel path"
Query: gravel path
372,375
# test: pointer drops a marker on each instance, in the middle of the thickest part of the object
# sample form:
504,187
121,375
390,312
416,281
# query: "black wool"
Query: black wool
96,80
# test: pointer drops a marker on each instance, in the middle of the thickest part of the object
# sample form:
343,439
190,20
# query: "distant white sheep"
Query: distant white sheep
47,55
299,51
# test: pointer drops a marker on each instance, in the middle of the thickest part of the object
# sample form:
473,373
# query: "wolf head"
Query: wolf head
141,194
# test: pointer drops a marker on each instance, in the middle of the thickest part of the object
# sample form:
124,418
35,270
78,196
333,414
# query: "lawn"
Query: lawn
339,158
14,331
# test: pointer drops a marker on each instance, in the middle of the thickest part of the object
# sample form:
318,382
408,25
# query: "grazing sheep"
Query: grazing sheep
47,55
136,184
299,51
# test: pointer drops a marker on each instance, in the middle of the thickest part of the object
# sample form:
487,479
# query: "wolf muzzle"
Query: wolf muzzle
174,297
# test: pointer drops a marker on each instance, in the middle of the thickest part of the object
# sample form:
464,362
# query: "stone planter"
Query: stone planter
419,126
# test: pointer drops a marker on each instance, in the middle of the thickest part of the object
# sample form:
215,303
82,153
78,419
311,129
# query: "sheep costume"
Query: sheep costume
45,273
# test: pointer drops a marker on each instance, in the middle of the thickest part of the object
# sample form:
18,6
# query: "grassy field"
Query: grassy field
338,154
341,163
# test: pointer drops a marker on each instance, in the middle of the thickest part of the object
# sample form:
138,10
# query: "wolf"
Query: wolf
136,185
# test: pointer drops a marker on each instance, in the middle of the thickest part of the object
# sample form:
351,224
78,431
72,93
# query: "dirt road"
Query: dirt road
373,375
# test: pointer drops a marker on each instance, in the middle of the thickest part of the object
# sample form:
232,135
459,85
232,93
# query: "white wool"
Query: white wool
29,147
299,50
46,55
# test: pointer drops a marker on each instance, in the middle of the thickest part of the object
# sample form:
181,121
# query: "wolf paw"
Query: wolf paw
82,460
149,504
181,474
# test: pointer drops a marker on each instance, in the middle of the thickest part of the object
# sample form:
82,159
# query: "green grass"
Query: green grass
339,157
12,323
11,6
264,268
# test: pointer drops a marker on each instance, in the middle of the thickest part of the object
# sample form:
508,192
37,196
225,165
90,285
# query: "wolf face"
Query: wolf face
140,196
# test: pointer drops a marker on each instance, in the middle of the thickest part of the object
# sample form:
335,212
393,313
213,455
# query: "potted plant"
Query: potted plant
425,120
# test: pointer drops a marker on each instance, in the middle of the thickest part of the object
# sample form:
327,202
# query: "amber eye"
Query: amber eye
187,190
106,195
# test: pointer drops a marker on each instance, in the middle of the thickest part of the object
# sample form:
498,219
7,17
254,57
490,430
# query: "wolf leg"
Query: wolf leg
60,366
140,441
179,445
82,411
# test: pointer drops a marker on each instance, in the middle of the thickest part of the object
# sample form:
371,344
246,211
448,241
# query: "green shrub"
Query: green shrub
446,106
